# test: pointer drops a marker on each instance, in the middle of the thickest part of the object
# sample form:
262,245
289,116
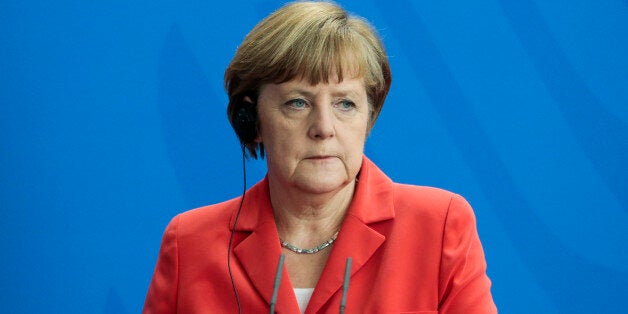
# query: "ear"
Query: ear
258,138
244,121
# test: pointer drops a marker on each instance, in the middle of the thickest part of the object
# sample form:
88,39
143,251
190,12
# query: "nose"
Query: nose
322,123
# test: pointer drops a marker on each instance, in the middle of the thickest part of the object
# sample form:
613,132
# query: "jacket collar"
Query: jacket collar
372,201
259,251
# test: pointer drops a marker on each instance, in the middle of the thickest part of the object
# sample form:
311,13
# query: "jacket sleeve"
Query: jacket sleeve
464,286
162,292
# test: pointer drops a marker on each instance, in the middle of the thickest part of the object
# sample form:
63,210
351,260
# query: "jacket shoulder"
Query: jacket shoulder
424,201
209,217
418,192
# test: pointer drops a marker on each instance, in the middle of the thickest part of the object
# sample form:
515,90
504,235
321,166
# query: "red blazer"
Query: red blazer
414,250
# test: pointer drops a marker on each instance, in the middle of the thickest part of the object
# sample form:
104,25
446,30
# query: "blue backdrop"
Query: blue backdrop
112,120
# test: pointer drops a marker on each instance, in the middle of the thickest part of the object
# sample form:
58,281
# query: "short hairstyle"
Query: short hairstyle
316,41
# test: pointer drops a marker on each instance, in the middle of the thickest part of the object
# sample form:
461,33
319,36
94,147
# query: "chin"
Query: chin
322,184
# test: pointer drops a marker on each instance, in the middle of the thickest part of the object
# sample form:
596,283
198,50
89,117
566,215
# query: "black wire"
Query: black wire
235,291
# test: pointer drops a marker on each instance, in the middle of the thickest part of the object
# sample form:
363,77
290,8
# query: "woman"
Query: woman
305,88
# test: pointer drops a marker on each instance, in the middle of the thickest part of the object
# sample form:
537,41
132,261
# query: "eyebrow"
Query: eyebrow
343,92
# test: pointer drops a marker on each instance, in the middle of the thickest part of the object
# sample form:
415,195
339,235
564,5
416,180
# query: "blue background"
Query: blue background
112,120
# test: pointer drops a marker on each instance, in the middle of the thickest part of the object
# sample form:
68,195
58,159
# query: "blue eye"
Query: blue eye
297,103
346,105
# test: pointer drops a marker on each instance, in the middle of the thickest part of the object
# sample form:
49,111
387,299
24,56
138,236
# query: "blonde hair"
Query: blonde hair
317,41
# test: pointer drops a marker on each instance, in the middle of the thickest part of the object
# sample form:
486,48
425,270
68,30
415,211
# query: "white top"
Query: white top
303,297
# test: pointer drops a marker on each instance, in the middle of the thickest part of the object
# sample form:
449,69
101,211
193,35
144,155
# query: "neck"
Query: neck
308,219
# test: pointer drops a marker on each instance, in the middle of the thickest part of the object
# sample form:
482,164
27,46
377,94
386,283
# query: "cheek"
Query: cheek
358,133
267,130
279,142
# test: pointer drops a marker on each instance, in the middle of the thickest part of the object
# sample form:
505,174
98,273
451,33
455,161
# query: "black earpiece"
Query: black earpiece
245,122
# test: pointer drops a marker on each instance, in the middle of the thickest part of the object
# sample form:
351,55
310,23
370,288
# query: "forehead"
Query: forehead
353,87
323,64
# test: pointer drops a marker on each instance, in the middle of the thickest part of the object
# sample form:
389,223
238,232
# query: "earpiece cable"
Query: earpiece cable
233,284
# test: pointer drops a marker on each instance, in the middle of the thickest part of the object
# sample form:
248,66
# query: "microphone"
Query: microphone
276,284
345,286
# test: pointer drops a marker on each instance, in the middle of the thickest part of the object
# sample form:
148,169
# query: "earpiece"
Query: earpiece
245,122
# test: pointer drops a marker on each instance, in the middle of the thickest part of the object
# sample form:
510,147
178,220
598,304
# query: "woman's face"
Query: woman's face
313,135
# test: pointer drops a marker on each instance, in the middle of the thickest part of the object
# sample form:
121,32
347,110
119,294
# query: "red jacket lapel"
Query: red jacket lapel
372,202
258,253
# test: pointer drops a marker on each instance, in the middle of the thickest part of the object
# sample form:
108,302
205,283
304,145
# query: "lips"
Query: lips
320,157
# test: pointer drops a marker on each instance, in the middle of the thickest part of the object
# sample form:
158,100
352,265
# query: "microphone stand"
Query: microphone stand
273,299
277,283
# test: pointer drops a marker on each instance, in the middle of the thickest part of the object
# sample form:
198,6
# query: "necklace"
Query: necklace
308,251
